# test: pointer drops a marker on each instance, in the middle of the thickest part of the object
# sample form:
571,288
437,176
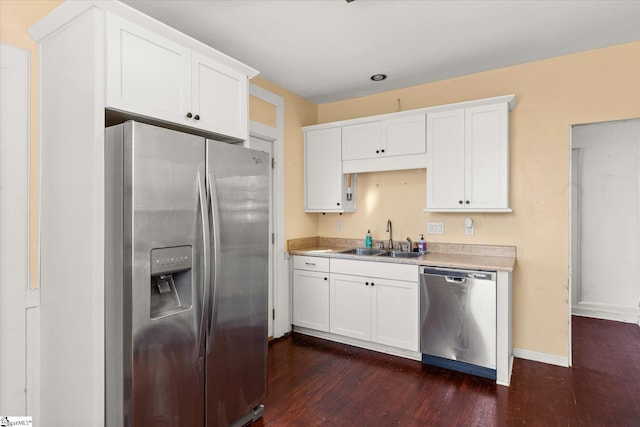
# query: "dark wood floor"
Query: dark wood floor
313,382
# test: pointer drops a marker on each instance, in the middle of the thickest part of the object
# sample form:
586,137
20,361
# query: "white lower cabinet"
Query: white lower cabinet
375,307
394,313
350,306
375,302
311,293
383,311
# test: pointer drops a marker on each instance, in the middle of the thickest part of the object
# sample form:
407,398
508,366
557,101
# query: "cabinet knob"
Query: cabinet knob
382,151
460,201
377,151
338,203
467,202
197,117
373,284
325,278
189,115
366,283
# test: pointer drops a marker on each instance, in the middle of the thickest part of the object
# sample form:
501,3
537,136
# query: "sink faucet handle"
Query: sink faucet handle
409,244
380,245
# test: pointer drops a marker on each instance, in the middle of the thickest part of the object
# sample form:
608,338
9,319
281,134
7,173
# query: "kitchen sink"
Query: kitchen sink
400,254
363,251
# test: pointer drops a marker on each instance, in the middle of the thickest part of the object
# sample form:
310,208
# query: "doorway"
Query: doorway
270,138
605,220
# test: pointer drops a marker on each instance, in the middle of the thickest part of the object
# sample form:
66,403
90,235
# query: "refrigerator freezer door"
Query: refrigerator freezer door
237,345
162,370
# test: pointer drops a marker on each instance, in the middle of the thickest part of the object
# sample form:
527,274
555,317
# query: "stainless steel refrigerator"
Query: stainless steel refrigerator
186,279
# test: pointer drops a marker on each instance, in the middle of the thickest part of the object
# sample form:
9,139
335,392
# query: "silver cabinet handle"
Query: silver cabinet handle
309,263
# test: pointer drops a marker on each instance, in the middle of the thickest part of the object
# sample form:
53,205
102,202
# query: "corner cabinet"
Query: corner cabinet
153,76
468,158
325,186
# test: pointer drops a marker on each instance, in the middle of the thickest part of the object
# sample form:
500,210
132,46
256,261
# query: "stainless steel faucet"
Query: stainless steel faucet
410,242
390,231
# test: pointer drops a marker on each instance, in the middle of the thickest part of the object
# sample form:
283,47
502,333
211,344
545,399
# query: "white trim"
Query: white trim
504,319
14,228
550,359
510,99
507,382
571,263
70,10
32,377
282,298
607,312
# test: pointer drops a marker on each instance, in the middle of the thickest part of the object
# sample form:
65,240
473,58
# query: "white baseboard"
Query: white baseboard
607,312
550,359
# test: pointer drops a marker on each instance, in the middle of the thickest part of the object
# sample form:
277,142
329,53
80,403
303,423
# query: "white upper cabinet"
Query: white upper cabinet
325,186
464,146
388,144
361,141
146,73
468,159
219,97
445,162
155,77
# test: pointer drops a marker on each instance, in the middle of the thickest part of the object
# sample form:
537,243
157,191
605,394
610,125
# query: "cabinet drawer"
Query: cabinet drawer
385,270
312,263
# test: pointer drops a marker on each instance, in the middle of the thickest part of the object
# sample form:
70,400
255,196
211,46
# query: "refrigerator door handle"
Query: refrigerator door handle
204,215
215,257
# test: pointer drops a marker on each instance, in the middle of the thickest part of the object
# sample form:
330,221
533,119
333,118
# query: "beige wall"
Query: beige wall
16,16
298,112
551,95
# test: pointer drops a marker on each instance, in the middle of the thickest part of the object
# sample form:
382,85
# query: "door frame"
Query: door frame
574,223
20,301
281,293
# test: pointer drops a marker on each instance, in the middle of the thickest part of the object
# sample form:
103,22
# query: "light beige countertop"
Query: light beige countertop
454,255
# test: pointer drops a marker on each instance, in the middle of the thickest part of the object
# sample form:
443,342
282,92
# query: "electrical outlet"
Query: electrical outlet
468,226
435,228
340,226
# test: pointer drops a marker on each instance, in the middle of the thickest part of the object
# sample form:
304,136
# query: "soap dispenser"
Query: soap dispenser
422,244
368,241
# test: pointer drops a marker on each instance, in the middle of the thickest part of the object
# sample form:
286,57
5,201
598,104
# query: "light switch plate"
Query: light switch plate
340,226
435,228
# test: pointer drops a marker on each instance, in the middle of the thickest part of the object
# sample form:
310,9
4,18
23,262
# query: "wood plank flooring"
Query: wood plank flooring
313,382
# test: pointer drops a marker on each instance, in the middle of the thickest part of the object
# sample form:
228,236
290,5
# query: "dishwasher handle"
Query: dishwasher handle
456,274
458,280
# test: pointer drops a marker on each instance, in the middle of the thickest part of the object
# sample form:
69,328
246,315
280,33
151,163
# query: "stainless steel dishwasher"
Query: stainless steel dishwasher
458,320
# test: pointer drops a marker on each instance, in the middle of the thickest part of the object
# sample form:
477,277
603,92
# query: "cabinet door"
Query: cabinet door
361,141
445,160
147,74
487,157
394,313
219,97
350,306
311,299
323,170
403,136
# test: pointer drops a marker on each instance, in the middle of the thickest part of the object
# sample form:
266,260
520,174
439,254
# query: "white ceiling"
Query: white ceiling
326,50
